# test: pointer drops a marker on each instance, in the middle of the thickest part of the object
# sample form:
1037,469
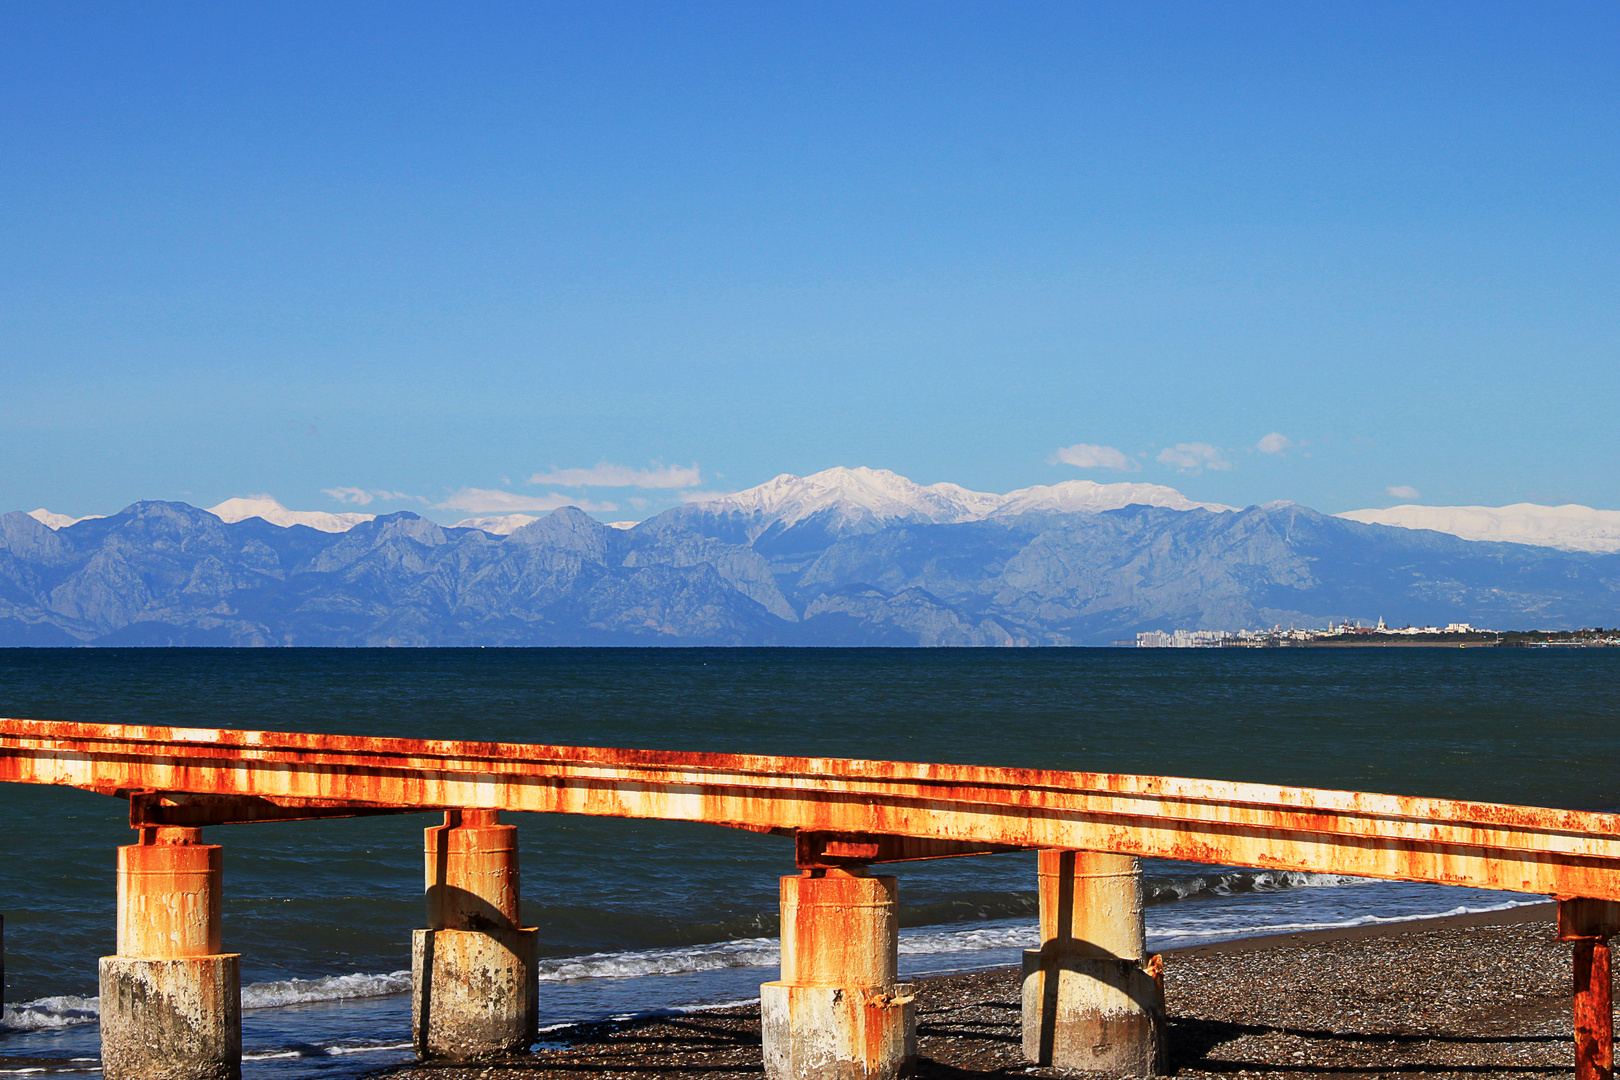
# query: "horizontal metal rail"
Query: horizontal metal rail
1487,845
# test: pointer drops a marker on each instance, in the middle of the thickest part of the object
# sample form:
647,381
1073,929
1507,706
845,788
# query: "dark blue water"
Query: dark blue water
638,915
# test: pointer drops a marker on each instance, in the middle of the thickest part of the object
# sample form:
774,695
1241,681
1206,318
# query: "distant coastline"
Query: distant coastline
1347,637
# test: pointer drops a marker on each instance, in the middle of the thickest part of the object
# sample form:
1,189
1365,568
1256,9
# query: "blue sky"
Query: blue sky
419,249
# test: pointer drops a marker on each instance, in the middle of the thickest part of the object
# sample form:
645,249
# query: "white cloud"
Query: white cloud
360,496
1275,443
1402,491
1088,456
487,501
606,475
1194,457
703,496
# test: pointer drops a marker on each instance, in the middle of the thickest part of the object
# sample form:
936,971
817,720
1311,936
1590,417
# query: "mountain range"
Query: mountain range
843,557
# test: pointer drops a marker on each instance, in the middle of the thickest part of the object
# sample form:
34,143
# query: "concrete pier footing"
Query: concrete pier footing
839,1011
1092,1001
170,1000
474,970
171,1019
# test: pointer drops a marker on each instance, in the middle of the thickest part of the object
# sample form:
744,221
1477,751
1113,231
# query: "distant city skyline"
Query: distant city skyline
503,259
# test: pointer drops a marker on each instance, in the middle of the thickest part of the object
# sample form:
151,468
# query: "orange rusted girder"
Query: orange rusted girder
1516,848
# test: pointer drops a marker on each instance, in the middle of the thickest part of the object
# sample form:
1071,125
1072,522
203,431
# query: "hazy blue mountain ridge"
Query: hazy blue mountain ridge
163,573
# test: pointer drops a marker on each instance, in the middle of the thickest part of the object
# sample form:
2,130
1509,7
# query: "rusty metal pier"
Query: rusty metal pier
1093,998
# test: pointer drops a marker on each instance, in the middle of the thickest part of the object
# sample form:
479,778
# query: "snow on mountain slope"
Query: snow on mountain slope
847,500
1569,528
1074,495
507,524
862,499
499,525
859,496
232,510
57,521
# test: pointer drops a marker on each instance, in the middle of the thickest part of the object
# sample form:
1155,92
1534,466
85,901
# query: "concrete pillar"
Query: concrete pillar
1092,1000
171,1001
839,1012
474,970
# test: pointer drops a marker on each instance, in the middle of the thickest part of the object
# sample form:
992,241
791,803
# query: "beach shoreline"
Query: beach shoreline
1482,994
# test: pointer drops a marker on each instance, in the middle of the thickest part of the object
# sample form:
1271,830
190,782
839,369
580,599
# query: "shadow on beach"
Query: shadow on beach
1473,996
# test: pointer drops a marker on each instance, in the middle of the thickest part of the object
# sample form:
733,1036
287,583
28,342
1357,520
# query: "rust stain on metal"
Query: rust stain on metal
1594,1011
260,776
819,850
169,896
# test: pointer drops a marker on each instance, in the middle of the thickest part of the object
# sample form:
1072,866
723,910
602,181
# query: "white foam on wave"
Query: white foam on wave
1237,882
1004,935
68,1011
1261,929
743,953
337,1050
767,953
998,935
271,995
63,1010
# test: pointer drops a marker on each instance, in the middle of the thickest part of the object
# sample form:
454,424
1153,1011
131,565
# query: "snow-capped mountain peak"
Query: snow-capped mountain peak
57,521
497,524
1078,495
857,497
1571,527
863,499
262,506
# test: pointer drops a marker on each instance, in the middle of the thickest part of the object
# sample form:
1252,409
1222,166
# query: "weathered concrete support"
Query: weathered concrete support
839,1011
474,970
1092,1000
1590,924
171,1001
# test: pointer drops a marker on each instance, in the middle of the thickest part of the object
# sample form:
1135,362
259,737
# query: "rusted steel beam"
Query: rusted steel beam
814,850
1515,848
157,809
1580,917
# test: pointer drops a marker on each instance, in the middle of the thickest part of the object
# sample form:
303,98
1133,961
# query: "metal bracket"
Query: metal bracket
178,809
818,850
1583,919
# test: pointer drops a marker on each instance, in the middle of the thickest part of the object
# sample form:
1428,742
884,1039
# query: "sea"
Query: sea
640,917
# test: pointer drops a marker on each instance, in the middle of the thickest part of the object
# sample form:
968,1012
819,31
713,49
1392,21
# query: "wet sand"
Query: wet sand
1476,996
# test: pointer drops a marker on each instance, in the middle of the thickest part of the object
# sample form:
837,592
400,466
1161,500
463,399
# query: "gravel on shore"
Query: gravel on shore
1427,1000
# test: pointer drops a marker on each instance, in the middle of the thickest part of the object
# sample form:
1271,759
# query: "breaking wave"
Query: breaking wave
1238,882
1171,935
970,923
747,953
67,1011
50,1012
270,995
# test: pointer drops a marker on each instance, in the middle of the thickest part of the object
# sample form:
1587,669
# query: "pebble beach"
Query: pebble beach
1476,995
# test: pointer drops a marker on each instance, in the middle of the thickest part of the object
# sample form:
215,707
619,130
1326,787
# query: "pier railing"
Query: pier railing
846,815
